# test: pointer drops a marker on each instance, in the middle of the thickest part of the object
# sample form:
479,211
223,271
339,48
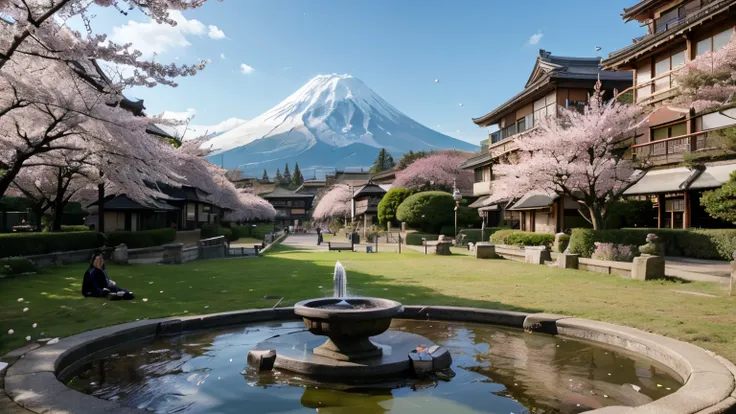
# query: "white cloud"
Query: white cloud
192,131
215,33
222,56
246,69
535,38
151,37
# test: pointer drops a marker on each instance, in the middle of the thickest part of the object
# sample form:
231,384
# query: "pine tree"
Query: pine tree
287,174
279,177
265,176
383,162
297,179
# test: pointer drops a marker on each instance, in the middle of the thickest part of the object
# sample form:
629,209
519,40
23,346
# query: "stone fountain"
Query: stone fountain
359,343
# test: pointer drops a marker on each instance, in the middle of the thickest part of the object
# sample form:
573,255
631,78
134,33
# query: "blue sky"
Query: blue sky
479,50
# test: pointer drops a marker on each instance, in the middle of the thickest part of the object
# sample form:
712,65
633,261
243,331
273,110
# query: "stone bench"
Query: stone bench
440,247
536,254
485,250
339,246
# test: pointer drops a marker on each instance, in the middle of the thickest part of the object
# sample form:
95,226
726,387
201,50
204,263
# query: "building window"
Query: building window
664,65
191,211
574,105
521,125
545,107
643,76
495,137
670,18
669,131
714,43
478,174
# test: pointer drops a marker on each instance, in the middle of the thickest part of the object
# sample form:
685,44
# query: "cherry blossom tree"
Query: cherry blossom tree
335,203
580,155
436,172
52,89
708,81
251,207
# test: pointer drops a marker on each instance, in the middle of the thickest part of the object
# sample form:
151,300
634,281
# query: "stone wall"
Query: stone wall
146,255
190,253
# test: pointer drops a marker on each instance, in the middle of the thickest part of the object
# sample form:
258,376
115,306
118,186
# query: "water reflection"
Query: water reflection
498,370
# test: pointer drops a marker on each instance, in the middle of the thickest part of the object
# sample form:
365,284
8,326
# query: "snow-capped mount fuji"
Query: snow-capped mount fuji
333,121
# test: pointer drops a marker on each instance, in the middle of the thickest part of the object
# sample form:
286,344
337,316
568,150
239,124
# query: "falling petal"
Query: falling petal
605,396
186,311
436,81
668,388
150,283
207,306
10,331
25,309
35,325
250,290
161,291
145,299
659,385
231,360
28,338
20,299
460,105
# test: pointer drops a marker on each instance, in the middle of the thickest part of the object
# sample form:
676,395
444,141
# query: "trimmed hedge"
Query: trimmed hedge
427,211
256,231
70,229
564,242
27,244
522,238
715,244
139,239
415,239
16,266
448,231
475,235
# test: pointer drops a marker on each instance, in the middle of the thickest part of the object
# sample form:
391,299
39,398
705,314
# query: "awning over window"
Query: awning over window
713,176
661,181
479,202
533,200
494,207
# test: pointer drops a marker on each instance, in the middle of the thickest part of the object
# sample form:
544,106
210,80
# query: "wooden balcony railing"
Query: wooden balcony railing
669,150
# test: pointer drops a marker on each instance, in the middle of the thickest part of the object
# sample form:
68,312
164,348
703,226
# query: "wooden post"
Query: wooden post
660,210
686,214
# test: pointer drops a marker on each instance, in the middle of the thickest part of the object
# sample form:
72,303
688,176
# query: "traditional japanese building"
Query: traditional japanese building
680,145
311,186
291,207
384,177
555,81
365,203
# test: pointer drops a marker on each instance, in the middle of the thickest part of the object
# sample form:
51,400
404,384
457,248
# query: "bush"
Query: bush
630,213
390,203
139,239
69,229
26,244
210,230
255,231
448,231
16,266
415,239
715,244
614,252
428,210
522,238
564,241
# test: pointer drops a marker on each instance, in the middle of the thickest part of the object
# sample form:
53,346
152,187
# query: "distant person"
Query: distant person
319,236
97,284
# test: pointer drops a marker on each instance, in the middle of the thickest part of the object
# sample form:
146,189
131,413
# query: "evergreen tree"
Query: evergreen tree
383,162
410,157
297,179
279,177
265,176
287,174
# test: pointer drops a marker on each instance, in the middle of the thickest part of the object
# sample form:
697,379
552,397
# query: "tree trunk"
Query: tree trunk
596,217
58,206
7,178
101,208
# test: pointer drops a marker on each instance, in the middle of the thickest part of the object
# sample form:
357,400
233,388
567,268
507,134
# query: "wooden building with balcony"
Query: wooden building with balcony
365,203
677,32
291,207
554,82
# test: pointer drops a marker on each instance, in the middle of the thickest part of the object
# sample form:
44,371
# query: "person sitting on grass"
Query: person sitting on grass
97,284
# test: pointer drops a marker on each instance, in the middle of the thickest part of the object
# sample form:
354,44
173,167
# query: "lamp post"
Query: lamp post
457,197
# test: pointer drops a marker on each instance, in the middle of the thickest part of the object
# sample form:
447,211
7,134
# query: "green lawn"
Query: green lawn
200,287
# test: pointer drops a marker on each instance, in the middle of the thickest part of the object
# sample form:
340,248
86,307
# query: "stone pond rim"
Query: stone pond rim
708,379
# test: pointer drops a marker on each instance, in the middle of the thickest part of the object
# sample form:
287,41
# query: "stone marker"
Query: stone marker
558,244
174,253
648,267
120,254
536,254
443,248
485,250
567,261
262,360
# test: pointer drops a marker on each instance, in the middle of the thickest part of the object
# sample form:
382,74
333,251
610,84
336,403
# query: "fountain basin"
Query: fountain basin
348,323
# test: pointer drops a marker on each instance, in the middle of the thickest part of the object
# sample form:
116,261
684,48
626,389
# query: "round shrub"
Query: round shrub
522,238
390,203
427,211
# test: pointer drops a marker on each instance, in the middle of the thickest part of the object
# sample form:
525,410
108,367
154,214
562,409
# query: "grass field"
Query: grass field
54,302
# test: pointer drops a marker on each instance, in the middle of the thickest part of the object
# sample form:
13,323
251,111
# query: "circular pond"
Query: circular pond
498,370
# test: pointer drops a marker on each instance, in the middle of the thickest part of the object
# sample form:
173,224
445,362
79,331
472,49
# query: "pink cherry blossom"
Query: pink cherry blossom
437,171
335,203
576,154
708,81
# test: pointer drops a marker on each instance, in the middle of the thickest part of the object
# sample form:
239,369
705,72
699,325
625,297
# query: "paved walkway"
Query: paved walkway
698,269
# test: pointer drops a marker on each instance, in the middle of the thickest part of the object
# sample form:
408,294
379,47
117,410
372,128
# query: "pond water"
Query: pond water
498,370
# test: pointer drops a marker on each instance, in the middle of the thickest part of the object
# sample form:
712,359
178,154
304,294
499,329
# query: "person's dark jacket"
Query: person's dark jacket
95,282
